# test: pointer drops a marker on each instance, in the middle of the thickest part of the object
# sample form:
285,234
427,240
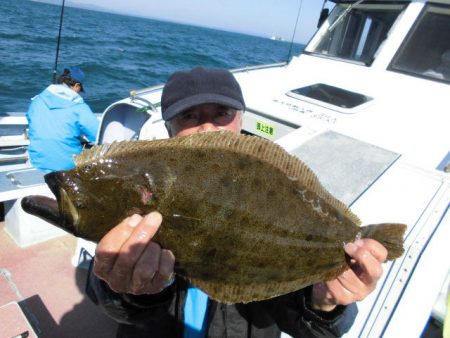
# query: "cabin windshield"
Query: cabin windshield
354,32
426,50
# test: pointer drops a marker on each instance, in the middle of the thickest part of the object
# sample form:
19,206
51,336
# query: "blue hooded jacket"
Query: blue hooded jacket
57,118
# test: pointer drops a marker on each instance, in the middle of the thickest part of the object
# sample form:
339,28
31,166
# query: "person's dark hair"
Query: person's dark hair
66,79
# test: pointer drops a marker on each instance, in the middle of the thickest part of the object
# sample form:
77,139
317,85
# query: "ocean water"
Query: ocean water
117,53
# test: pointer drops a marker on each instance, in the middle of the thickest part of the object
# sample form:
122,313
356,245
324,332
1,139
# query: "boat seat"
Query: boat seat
121,122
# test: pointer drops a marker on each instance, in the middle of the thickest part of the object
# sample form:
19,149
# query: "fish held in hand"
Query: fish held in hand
245,220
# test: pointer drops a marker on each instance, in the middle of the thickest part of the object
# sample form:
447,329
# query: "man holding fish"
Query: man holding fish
133,278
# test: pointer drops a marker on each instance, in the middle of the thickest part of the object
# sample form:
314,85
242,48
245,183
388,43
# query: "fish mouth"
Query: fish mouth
54,211
43,207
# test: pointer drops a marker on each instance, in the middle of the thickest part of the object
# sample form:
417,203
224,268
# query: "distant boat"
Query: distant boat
277,38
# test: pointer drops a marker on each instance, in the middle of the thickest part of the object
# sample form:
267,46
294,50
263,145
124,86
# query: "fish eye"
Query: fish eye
79,203
86,170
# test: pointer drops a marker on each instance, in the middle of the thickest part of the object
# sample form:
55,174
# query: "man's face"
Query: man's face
205,117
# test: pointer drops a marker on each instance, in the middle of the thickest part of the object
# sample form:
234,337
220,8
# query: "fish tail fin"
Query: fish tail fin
390,235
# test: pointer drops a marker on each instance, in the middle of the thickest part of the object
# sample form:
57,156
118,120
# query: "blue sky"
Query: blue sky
256,17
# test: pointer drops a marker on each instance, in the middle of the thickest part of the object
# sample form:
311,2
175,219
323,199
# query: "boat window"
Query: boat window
354,32
426,50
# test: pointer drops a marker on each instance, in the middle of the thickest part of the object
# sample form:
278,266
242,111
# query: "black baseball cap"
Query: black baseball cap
186,89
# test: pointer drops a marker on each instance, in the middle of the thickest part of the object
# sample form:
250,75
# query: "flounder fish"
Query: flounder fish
245,220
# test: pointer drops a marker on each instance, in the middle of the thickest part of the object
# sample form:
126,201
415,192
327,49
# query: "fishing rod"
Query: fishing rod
295,30
59,39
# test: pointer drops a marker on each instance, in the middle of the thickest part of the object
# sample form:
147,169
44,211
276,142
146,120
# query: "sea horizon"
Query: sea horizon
100,9
117,52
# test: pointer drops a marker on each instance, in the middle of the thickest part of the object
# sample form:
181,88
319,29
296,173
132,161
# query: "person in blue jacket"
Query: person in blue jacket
59,121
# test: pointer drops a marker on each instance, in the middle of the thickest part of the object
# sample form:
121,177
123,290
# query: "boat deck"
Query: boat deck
49,291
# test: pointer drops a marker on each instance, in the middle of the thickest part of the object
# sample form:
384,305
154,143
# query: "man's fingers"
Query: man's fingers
346,288
138,240
121,276
153,271
366,269
367,266
331,293
375,248
128,260
165,272
356,283
354,289
146,269
166,263
109,247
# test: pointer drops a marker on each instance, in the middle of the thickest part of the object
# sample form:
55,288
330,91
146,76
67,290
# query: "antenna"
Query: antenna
59,39
295,29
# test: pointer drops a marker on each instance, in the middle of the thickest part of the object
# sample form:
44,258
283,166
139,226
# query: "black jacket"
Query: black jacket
162,315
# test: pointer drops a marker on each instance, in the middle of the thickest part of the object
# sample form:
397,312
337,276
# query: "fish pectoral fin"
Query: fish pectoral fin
43,207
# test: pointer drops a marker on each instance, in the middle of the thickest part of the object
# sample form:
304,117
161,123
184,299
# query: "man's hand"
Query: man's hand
129,262
356,283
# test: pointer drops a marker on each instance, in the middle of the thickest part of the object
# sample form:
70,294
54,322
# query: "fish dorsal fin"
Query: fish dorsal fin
90,155
254,146
118,149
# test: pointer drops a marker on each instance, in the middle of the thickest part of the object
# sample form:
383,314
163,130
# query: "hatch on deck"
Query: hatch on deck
345,166
331,97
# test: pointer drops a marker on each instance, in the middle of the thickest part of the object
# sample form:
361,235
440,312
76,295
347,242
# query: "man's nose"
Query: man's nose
208,126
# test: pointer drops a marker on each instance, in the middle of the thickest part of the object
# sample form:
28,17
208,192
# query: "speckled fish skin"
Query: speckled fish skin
246,220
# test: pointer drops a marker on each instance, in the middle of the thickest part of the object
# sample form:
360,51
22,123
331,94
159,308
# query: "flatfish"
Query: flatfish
245,220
